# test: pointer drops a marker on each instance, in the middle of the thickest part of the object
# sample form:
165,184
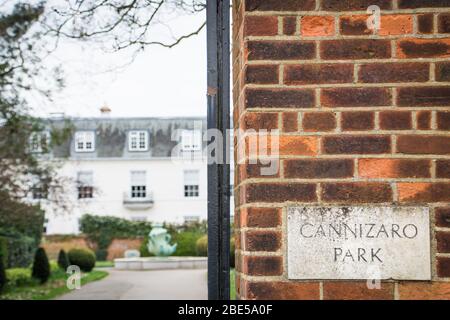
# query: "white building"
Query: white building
148,169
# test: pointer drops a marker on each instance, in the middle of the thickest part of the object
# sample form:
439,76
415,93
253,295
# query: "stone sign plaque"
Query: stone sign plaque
358,243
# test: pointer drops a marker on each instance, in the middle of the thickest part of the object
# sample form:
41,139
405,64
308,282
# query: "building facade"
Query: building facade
142,169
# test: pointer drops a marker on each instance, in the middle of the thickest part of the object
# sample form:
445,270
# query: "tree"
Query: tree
22,52
63,260
2,274
121,23
41,266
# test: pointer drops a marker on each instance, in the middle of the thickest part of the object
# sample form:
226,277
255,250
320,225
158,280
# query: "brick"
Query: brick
443,242
261,26
356,192
424,120
262,241
395,120
357,120
355,97
394,72
425,23
319,121
354,5
280,192
318,74
443,120
416,144
350,49
443,169
290,121
414,4
248,171
318,168
298,145
283,290
356,144
262,266
444,23
415,192
317,26
262,74
424,290
260,120
354,25
423,48
346,290
443,267
289,25
394,168
276,5
281,50
442,217
261,218
443,71
423,96
395,25
279,98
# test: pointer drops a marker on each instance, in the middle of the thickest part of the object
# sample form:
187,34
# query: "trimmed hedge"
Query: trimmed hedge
2,275
84,258
41,266
202,246
63,260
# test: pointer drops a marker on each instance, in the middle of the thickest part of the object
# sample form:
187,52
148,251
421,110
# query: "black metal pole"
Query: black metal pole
218,38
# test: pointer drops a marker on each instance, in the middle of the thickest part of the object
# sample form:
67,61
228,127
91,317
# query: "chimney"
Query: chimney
105,111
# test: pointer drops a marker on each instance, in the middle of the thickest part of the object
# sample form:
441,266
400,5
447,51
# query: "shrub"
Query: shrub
202,246
101,254
186,243
19,277
84,258
2,275
232,252
63,261
143,249
41,266
4,250
21,250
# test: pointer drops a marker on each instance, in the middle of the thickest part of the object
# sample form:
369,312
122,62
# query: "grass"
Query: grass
54,287
104,264
232,285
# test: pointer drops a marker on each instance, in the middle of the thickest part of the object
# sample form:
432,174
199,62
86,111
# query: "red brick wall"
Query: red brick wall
364,119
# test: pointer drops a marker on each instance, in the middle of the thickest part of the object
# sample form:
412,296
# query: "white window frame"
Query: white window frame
191,140
138,140
36,139
85,141
191,187
138,190
85,187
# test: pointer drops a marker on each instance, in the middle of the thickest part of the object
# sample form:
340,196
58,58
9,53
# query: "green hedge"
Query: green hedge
84,258
19,250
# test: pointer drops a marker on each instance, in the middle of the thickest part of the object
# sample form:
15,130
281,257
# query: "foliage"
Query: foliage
21,250
3,278
84,258
41,266
63,260
19,277
103,229
4,250
202,246
232,252
143,249
186,243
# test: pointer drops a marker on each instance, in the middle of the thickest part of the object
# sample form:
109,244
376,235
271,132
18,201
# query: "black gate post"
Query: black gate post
218,37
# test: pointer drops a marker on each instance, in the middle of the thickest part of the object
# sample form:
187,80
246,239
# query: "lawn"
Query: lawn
232,285
104,264
55,286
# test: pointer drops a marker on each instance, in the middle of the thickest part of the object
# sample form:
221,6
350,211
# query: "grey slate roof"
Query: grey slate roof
111,136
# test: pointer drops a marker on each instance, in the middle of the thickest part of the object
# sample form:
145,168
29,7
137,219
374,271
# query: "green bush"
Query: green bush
4,250
21,250
186,243
18,277
2,275
232,252
63,260
84,258
101,254
202,246
41,266
143,249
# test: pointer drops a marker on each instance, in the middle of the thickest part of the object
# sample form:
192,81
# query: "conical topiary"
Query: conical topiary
2,274
41,266
63,260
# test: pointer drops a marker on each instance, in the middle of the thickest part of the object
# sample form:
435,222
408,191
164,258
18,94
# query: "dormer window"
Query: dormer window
39,142
85,141
138,140
191,140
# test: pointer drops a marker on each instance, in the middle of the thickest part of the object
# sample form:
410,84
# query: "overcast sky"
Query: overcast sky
160,81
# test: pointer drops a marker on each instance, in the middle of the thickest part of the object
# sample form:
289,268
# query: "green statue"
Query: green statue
159,242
